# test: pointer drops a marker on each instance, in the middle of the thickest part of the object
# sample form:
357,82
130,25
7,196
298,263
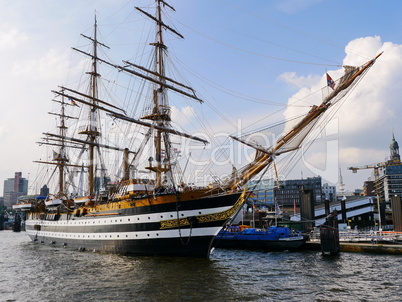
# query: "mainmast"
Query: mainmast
161,111
91,130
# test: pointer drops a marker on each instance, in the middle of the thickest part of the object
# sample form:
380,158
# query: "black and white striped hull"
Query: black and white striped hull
141,230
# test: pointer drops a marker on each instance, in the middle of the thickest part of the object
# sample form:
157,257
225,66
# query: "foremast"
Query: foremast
265,157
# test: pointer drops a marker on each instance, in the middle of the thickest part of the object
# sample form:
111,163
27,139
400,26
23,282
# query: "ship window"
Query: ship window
129,219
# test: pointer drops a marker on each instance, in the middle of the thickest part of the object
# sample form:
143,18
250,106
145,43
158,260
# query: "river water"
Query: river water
33,272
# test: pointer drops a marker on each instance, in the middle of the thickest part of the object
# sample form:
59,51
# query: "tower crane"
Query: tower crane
377,166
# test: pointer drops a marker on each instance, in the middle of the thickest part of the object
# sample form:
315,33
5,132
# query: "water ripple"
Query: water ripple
33,272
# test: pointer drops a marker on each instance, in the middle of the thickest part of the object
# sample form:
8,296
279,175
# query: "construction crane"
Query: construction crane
376,167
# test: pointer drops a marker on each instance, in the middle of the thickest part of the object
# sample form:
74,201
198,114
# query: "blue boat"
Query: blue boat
273,239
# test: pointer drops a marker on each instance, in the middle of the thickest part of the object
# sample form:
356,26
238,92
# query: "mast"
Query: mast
91,130
159,95
161,111
61,158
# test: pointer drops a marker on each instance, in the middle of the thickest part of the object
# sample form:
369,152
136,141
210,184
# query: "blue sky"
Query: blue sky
268,51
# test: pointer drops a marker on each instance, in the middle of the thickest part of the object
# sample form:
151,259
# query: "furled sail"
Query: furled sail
294,138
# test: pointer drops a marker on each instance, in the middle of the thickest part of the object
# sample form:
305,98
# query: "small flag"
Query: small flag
73,102
330,81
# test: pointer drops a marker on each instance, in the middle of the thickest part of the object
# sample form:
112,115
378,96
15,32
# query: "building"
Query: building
14,188
44,191
328,192
368,188
263,190
388,176
288,193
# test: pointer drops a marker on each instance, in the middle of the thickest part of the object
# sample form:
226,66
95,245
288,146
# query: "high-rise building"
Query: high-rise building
14,188
389,179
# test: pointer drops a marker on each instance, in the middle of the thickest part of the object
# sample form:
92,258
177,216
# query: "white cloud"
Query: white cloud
299,81
183,116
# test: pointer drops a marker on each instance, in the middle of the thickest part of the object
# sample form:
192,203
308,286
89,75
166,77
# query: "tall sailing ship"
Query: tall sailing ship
158,215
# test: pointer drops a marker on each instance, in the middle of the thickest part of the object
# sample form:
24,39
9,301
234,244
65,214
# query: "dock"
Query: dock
357,247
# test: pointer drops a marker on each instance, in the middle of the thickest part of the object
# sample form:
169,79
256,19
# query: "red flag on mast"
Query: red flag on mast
330,81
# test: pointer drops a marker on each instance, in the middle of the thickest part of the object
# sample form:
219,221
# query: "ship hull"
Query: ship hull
171,229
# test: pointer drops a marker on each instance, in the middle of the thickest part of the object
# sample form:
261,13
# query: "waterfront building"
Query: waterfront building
368,188
263,190
328,192
288,194
14,188
389,175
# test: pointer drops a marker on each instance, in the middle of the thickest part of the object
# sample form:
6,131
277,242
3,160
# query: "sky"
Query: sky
251,61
